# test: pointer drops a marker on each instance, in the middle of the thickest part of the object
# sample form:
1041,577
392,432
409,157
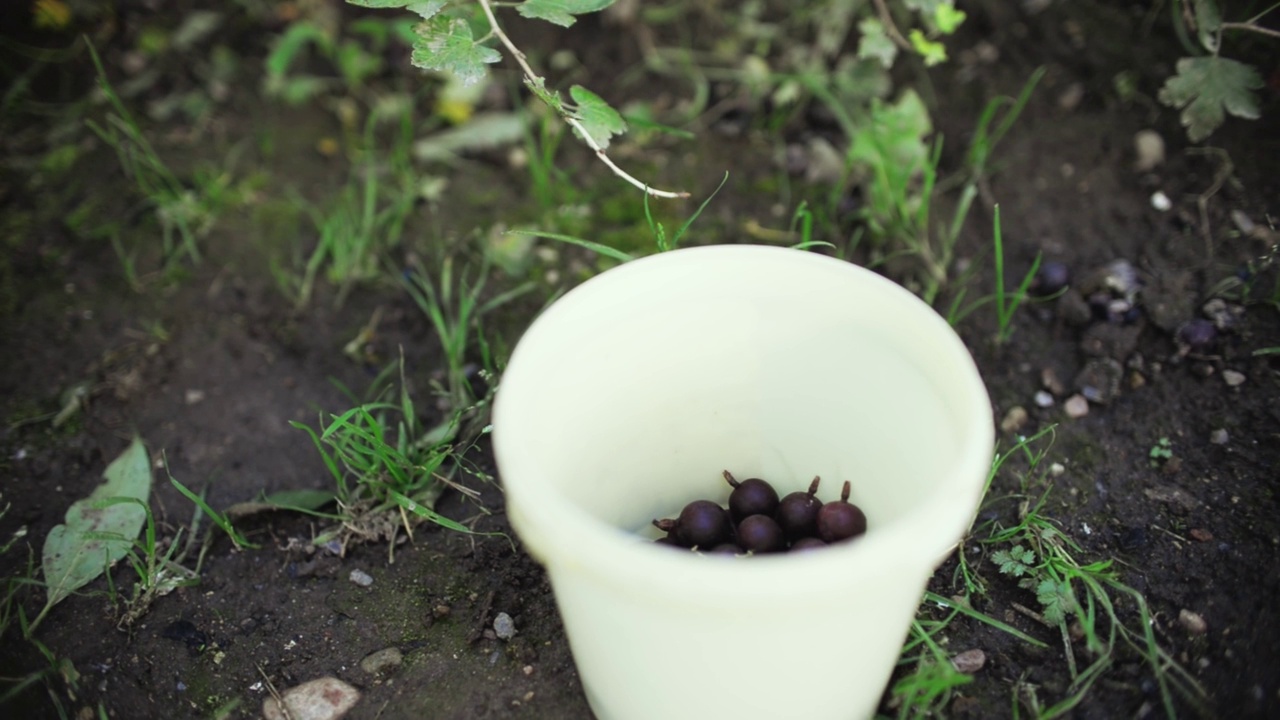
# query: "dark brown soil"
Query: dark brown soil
214,393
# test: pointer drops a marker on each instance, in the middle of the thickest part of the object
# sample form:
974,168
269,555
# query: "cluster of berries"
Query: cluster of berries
758,522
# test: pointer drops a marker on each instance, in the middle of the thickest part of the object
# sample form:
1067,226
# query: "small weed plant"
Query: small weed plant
1098,619
185,214
1206,86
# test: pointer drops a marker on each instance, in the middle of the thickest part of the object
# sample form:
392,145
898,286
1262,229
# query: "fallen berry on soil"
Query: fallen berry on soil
841,520
752,496
797,513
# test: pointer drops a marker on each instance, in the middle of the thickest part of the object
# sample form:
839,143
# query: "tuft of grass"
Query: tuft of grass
357,229
185,214
158,573
1098,618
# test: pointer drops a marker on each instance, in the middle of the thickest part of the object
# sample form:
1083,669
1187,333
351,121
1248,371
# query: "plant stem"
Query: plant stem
532,78
1250,27
890,27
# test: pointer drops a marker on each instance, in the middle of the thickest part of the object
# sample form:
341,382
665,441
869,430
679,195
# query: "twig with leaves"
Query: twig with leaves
445,43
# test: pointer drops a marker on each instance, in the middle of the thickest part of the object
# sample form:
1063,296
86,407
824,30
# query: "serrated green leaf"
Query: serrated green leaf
601,121
875,43
1057,600
1208,87
426,8
80,550
561,12
446,44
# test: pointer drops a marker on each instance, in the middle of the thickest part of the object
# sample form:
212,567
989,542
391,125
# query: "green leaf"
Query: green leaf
560,12
482,132
1057,600
80,550
889,149
1208,87
1208,20
875,43
932,52
447,45
948,18
426,8
600,120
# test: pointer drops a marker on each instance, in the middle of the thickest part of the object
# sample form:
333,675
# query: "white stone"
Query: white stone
323,699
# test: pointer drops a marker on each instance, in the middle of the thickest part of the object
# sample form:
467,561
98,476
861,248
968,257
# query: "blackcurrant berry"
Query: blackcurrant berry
760,534
807,543
752,496
841,520
702,524
797,513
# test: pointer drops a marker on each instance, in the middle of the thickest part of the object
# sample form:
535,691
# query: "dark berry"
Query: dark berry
807,543
1052,278
841,520
760,534
797,513
703,524
1197,334
752,496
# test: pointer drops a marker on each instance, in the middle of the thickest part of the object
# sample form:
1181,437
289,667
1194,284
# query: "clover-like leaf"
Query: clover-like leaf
447,45
561,12
426,8
875,42
601,121
1206,88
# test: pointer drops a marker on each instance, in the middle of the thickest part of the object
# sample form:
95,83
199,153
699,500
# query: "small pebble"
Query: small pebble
1015,419
1200,535
193,396
1233,378
1161,202
1192,622
1149,148
1076,407
504,627
1219,437
1049,379
969,661
1044,399
324,699
527,669
361,578
1056,469
381,661
1069,99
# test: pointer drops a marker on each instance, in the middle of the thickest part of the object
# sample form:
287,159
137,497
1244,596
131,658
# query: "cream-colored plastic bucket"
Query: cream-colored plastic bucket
628,397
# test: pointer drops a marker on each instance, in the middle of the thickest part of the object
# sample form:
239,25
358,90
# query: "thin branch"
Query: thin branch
532,78
1250,27
890,27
